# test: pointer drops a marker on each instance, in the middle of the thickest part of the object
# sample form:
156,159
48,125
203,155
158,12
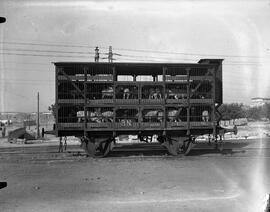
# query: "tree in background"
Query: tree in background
52,108
238,110
258,113
233,111
267,110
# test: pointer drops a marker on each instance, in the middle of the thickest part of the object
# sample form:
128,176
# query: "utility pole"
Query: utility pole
110,55
29,121
38,132
96,54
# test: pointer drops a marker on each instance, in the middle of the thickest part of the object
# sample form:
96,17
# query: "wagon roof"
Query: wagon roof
144,68
202,62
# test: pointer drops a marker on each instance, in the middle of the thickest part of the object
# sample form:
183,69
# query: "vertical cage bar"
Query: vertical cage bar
164,70
85,101
213,116
56,99
188,100
114,83
114,87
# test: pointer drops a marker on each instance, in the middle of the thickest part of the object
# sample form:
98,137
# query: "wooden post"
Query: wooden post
85,102
213,116
164,70
188,100
38,132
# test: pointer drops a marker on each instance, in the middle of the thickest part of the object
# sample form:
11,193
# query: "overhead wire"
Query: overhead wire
132,50
25,63
122,57
43,44
43,55
51,51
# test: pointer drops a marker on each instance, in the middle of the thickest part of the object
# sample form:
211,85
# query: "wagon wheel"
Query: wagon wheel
106,147
89,146
172,146
91,149
187,145
219,145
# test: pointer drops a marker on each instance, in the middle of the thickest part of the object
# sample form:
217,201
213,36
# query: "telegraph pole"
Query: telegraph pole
38,133
110,55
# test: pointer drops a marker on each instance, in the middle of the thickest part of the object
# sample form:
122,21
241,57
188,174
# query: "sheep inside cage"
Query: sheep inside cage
126,92
152,115
107,92
127,116
176,91
100,115
97,91
176,114
69,114
200,113
152,92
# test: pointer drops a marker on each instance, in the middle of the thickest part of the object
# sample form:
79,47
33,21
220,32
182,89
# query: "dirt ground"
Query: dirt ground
40,179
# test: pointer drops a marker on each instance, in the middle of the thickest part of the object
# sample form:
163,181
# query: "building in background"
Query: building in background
258,101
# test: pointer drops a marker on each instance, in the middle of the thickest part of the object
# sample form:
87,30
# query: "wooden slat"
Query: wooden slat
152,101
127,125
176,124
176,78
202,101
127,101
201,124
152,124
77,126
71,101
99,125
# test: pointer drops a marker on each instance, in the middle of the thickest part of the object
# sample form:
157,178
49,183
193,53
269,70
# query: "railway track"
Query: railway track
74,152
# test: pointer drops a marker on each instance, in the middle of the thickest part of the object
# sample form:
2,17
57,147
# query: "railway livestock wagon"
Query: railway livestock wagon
176,102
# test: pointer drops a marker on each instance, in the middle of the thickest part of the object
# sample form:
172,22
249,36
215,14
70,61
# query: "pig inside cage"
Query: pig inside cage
152,92
200,113
126,91
201,89
176,114
153,115
69,114
67,90
176,91
98,91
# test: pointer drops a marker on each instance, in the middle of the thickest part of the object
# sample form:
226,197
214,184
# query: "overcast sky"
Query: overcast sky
37,33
